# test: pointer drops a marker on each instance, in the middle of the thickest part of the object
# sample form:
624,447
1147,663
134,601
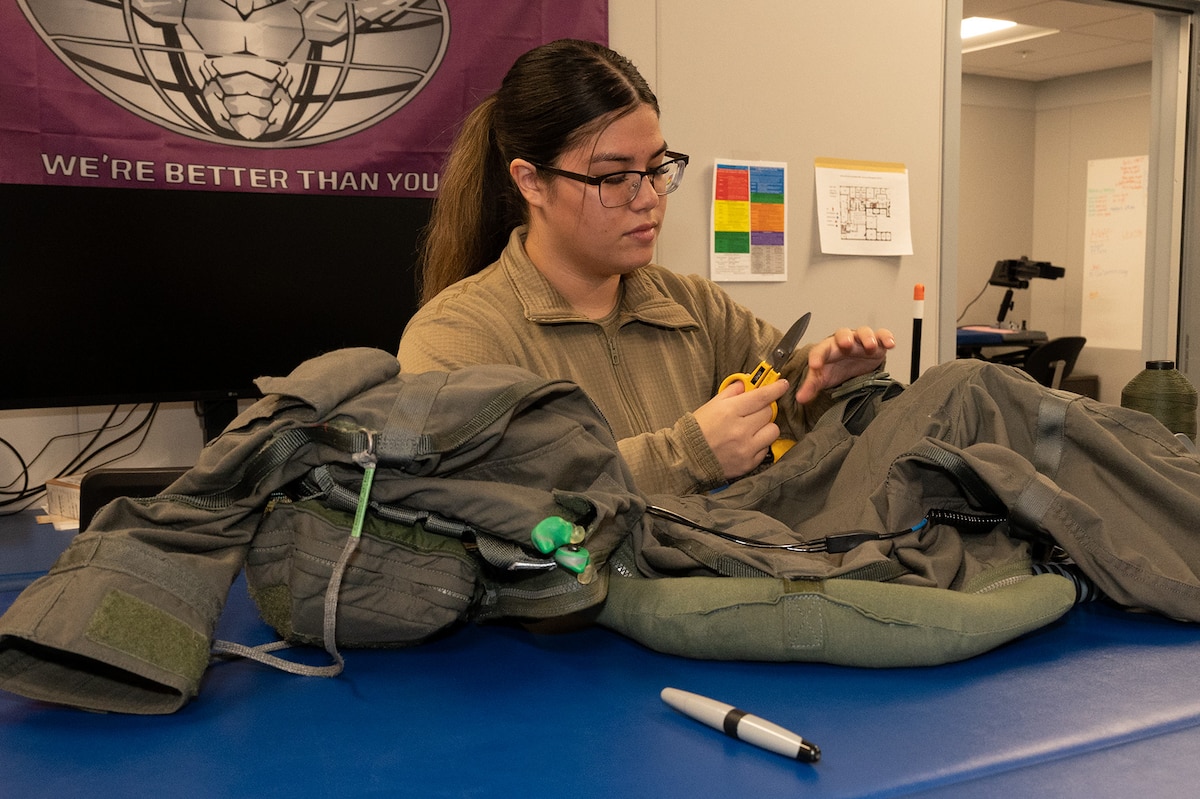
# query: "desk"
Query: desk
1102,704
973,339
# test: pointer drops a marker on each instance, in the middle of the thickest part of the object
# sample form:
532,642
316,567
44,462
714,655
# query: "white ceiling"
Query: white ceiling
1092,37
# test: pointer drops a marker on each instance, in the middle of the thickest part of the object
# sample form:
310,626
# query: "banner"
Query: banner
355,97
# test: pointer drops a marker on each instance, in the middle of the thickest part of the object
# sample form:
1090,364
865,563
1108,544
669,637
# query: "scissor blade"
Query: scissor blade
789,341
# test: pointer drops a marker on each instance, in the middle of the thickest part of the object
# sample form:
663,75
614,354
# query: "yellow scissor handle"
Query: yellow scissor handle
780,446
763,375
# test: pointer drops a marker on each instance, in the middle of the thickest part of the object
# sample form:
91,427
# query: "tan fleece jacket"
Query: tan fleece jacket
664,352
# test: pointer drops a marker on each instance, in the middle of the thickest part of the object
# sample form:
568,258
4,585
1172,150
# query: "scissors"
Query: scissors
767,372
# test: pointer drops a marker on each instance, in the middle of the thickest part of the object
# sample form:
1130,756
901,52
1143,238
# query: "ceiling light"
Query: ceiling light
980,33
978,26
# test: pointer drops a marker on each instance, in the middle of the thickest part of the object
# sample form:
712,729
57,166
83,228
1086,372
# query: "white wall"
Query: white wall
785,81
774,80
995,202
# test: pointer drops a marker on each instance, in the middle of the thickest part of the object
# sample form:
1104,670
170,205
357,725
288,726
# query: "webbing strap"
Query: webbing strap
491,412
880,571
509,556
276,452
1034,501
320,481
401,439
976,489
1051,432
497,551
262,653
720,562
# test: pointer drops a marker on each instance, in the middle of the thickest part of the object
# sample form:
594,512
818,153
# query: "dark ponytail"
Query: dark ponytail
550,100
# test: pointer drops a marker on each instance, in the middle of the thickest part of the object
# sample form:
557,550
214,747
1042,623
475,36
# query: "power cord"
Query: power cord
18,494
972,302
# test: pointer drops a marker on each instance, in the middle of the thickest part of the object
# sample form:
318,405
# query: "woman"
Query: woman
539,255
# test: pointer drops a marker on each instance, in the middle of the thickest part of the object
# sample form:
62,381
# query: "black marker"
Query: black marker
741,725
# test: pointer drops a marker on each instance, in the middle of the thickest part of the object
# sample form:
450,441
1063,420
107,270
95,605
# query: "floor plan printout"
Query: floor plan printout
862,207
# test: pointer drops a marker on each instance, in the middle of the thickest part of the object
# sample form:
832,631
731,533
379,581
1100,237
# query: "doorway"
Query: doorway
1034,115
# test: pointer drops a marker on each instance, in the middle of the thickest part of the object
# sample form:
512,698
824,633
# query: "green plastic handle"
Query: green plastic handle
573,558
553,532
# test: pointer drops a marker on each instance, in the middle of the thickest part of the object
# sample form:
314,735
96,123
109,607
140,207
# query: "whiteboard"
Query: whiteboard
1114,256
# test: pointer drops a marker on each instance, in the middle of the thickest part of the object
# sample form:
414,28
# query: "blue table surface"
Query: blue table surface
1101,703
27,549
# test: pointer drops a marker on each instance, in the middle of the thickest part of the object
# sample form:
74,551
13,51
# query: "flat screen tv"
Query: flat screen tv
114,296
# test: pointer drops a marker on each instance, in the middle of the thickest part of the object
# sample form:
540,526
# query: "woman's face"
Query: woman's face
571,230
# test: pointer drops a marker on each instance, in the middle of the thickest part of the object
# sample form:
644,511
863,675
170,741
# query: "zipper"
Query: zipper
1003,583
614,357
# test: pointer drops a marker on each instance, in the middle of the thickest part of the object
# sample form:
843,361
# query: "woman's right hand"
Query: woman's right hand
738,427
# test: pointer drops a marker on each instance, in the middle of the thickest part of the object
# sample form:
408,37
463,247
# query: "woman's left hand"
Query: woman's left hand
846,354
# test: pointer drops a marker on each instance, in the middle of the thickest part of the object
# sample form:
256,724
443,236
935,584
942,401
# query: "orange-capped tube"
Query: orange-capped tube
918,316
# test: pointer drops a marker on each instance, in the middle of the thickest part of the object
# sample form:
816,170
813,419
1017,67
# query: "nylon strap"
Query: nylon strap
1034,501
497,551
495,409
401,441
1051,432
261,653
977,491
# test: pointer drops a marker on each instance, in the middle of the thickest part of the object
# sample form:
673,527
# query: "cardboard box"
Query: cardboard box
62,496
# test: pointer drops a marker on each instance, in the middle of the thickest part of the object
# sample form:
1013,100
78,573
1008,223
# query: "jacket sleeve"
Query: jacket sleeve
676,460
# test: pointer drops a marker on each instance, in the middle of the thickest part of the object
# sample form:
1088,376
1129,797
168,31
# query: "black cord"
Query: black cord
27,467
972,302
837,543
22,475
27,494
144,426
75,462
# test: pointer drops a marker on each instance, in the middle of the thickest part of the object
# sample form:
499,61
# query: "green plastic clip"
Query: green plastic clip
573,558
553,532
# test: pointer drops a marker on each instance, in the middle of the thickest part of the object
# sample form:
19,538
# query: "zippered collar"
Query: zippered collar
642,299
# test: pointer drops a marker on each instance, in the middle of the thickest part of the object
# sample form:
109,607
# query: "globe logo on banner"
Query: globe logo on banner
250,73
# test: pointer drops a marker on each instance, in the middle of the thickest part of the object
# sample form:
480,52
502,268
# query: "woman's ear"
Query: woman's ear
528,181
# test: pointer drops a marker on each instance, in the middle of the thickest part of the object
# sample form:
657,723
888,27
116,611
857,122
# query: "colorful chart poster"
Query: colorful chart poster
862,207
749,235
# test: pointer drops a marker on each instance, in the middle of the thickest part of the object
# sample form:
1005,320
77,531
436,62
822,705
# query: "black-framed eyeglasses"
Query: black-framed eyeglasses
619,188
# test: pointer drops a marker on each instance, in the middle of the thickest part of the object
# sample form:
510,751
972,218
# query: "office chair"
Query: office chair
1052,362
